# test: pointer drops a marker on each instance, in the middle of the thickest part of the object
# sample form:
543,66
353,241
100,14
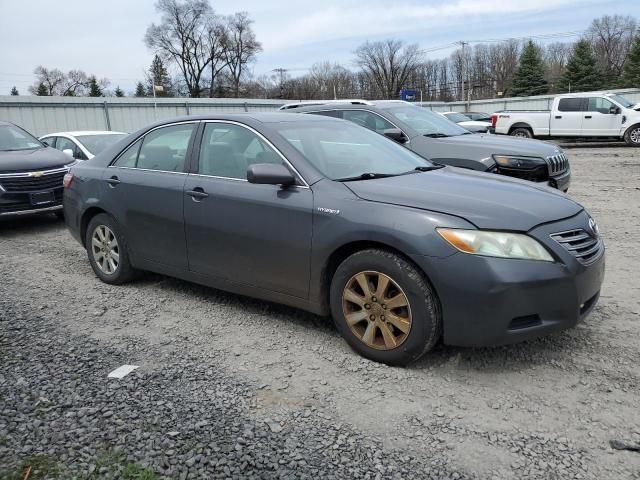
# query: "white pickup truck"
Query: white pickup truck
586,115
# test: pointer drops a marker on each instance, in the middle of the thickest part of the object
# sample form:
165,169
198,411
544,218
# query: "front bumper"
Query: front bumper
22,203
561,182
490,301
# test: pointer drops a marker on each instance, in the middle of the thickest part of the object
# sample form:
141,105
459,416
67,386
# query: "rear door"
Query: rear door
145,190
258,235
598,119
566,119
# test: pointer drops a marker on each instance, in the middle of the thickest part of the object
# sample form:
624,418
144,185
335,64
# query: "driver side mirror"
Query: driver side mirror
395,134
614,110
270,174
68,151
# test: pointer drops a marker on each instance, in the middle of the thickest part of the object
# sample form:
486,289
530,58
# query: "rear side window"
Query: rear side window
368,120
571,105
130,156
329,113
165,149
227,150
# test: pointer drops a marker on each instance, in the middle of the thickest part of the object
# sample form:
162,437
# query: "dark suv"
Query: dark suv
31,173
435,138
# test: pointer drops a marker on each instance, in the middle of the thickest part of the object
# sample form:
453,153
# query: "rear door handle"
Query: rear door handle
587,116
197,194
113,181
558,116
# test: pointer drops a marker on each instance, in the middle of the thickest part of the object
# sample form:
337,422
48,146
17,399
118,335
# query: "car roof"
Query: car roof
84,132
375,104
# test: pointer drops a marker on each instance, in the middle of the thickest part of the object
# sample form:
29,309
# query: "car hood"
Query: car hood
485,145
487,200
32,160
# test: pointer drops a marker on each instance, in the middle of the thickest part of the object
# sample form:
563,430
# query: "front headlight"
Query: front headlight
515,161
495,244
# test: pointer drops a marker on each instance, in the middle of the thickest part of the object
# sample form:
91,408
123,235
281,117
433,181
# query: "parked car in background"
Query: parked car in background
31,173
474,126
586,115
480,116
82,145
435,138
327,216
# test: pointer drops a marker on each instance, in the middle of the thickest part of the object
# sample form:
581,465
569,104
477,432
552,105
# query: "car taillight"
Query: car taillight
67,180
494,120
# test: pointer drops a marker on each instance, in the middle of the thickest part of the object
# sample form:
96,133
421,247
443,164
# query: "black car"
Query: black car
330,217
31,173
435,138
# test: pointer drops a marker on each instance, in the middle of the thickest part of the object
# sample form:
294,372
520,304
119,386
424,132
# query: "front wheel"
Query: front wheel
107,251
384,307
521,133
632,136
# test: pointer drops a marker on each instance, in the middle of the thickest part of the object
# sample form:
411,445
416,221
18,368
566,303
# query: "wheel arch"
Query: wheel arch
87,215
520,125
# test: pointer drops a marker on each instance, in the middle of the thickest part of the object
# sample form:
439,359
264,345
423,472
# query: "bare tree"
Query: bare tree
240,47
53,80
182,36
556,55
215,39
71,84
611,37
388,64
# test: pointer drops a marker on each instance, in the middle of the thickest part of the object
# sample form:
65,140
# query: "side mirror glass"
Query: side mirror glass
68,151
395,134
270,174
614,110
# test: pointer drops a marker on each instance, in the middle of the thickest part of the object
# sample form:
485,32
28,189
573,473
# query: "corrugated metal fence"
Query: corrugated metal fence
41,115
541,102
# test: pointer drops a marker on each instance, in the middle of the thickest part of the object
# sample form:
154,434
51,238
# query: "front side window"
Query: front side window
570,105
49,141
600,104
368,120
227,150
343,150
66,144
13,138
426,122
165,148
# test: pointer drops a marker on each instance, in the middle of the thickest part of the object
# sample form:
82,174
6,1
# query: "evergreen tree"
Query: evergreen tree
582,73
529,76
158,75
14,91
140,92
94,88
631,72
42,91
118,92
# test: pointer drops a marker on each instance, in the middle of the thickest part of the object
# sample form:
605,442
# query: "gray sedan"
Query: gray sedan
324,215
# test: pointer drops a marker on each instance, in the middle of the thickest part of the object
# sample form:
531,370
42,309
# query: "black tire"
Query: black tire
124,271
426,322
521,132
632,136
60,214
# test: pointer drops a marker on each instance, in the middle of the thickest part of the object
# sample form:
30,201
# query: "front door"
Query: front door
599,121
145,190
258,235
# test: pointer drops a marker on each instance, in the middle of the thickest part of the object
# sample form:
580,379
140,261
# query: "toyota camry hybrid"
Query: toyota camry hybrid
325,215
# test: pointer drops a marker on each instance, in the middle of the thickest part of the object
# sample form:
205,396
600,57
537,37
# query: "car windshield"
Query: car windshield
427,122
97,143
622,101
342,150
457,117
13,138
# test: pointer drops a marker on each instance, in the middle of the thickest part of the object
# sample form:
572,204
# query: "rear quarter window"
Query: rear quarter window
571,105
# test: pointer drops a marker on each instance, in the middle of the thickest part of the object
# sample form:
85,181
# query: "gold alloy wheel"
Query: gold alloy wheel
377,310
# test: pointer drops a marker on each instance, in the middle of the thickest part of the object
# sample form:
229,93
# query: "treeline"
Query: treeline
201,54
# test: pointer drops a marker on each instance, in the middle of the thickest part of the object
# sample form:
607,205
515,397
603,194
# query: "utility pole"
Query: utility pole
464,44
282,72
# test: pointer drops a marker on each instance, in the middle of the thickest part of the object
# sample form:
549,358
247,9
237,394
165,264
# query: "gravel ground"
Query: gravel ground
230,387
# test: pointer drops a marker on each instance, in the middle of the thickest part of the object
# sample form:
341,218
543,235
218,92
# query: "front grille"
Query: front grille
584,246
557,164
48,181
537,174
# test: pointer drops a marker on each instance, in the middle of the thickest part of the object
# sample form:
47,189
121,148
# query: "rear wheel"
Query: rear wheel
632,136
106,248
60,214
521,132
384,307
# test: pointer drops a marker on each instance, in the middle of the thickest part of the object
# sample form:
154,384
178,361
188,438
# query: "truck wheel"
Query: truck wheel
384,307
521,132
632,136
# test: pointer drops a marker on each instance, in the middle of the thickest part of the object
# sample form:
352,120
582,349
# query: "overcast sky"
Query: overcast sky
106,37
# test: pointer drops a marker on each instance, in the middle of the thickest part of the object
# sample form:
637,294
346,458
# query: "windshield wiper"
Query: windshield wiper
366,176
428,168
435,135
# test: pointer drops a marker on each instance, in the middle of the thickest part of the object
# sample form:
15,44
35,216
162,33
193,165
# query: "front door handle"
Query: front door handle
197,194
587,116
558,116
113,181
